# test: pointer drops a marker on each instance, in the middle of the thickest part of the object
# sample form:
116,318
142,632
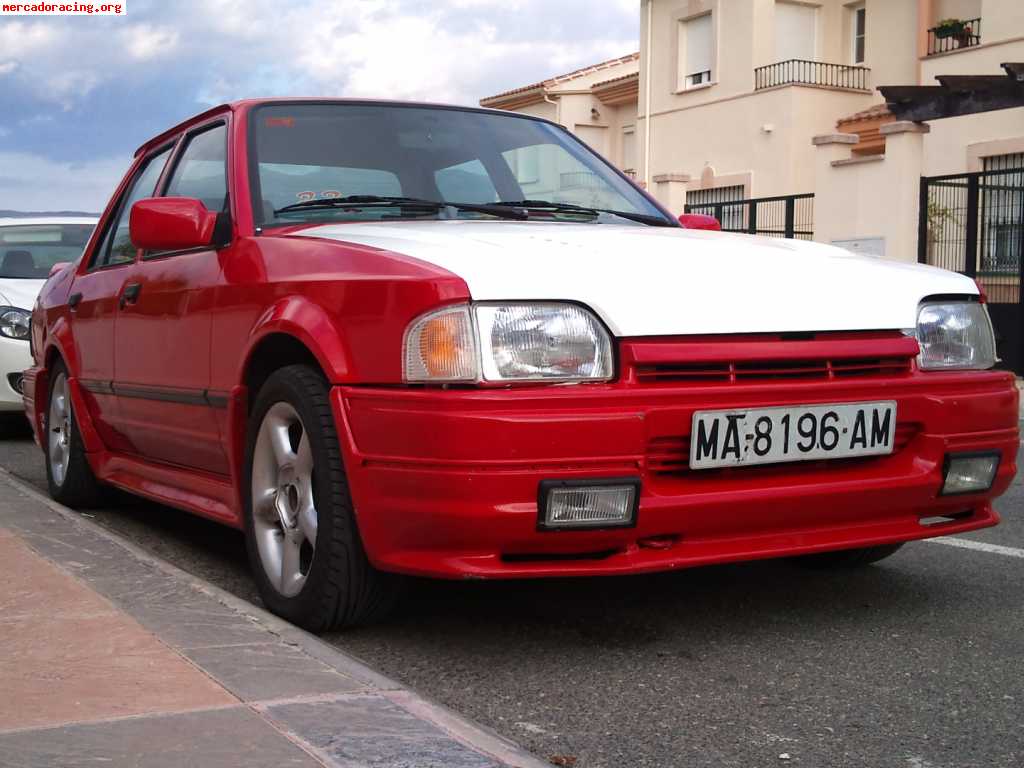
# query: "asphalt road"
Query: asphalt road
914,662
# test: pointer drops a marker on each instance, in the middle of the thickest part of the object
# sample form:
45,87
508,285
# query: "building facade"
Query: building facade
725,96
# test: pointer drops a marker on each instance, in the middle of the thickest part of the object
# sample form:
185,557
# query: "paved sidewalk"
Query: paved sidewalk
109,656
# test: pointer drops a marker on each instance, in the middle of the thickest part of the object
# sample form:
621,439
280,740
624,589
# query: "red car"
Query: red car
390,339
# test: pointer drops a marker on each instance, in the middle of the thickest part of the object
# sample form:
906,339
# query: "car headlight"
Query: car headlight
15,323
508,342
955,335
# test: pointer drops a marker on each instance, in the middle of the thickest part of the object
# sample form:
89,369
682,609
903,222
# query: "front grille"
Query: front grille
767,370
670,455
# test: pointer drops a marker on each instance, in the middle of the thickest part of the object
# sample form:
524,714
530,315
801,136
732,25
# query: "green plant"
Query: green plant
949,28
938,216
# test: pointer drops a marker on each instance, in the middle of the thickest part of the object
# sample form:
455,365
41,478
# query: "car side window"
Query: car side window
117,247
201,170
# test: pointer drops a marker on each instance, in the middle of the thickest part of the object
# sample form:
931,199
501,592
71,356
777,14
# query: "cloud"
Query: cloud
144,42
67,88
459,50
18,39
79,89
29,182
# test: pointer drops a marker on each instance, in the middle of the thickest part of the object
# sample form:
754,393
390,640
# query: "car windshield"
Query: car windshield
28,251
324,162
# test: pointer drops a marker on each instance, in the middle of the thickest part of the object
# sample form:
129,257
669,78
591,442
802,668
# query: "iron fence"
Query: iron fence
807,72
964,34
973,223
789,216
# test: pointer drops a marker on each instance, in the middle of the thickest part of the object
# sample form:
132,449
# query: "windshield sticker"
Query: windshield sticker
280,122
327,194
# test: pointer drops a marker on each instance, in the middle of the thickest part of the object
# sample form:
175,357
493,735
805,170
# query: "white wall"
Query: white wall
955,144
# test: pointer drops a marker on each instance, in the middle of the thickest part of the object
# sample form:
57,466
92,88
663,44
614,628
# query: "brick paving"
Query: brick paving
109,656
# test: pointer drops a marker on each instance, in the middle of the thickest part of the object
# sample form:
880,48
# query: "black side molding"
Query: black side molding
204,397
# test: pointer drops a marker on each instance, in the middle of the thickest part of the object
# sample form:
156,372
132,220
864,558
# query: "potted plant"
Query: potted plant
965,37
949,28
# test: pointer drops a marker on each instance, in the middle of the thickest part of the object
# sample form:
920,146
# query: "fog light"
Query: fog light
970,472
17,382
588,503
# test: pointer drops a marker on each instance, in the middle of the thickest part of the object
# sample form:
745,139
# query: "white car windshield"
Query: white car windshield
360,161
29,251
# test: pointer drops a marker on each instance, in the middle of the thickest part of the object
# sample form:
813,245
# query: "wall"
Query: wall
954,9
873,197
729,136
543,109
891,45
953,145
1001,20
721,124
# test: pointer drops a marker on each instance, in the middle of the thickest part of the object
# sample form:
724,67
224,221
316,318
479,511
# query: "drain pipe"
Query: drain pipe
558,107
647,99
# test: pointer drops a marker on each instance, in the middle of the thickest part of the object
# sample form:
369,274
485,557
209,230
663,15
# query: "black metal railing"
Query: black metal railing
974,223
951,37
803,72
790,216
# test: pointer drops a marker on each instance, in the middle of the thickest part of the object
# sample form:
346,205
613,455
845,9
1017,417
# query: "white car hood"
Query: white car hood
19,292
657,281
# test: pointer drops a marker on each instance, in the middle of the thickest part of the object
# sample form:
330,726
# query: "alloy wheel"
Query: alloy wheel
59,429
283,506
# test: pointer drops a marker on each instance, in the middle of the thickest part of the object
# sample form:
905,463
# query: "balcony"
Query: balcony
954,35
820,73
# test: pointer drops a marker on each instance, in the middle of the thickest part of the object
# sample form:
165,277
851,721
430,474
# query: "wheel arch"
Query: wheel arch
274,350
53,351
301,331
59,346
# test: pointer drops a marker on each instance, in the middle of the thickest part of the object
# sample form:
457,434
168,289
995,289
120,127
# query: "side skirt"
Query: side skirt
209,496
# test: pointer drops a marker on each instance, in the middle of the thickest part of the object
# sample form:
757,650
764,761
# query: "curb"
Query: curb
450,722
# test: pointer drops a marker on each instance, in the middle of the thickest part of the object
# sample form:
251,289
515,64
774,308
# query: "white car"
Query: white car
29,247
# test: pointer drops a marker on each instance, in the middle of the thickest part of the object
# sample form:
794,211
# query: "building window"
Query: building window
629,153
716,202
1000,204
696,51
859,28
795,31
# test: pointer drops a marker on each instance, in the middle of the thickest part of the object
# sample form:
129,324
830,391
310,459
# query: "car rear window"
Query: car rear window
29,251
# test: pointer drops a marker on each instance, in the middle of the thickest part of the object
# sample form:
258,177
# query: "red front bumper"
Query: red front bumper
445,482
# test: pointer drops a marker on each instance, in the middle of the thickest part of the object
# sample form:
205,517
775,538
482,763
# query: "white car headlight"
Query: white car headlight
513,342
15,323
955,335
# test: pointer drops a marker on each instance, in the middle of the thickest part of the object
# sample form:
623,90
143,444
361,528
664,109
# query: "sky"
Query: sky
78,95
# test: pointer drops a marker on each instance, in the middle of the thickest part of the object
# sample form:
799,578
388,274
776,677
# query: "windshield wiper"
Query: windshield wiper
364,201
550,205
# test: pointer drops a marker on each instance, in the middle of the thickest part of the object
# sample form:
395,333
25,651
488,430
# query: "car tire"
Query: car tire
68,475
301,535
847,558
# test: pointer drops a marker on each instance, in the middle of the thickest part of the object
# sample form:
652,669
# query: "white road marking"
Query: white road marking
980,546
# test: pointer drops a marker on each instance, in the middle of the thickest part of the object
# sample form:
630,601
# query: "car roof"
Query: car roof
235,106
28,220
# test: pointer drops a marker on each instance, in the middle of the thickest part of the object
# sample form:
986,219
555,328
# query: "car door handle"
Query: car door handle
74,300
130,294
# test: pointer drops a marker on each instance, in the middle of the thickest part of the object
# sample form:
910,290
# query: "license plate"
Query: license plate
746,437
